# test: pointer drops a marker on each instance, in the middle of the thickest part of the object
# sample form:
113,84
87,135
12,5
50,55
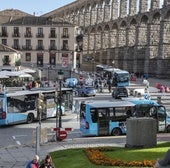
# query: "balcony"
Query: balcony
65,48
4,34
40,35
40,48
65,36
16,35
16,47
28,35
52,35
27,47
52,47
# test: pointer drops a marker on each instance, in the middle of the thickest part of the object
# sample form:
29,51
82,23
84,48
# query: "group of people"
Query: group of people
35,162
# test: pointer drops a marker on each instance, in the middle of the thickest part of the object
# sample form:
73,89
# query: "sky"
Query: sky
40,7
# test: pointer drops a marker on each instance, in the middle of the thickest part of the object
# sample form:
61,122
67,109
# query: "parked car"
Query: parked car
70,82
119,92
86,91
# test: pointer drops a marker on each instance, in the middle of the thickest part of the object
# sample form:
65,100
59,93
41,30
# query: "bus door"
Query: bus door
161,117
103,121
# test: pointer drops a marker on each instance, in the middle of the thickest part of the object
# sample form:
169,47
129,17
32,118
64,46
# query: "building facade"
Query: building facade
131,34
46,45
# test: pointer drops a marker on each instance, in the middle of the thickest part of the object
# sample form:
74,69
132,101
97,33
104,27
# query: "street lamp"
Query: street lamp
48,71
60,78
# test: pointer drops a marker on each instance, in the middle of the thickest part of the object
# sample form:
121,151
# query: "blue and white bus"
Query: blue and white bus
109,117
120,78
104,117
21,106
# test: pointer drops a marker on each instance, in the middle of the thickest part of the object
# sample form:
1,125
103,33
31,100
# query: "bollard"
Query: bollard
159,100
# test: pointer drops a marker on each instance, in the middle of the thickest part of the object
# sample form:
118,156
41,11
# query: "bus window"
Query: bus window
94,115
118,114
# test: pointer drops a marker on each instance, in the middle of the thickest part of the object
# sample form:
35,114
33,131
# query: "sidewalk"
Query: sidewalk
18,156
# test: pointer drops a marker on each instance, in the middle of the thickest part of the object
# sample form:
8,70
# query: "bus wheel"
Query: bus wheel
30,118
168,129
116,132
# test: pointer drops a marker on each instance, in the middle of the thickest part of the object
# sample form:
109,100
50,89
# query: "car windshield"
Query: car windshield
168,114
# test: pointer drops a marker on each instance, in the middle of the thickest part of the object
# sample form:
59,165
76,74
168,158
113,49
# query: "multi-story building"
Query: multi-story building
45,44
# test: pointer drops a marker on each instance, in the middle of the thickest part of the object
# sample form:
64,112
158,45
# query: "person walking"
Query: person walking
34,163
48,163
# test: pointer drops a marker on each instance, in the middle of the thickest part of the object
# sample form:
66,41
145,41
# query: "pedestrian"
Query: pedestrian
34,163
165,162
48,163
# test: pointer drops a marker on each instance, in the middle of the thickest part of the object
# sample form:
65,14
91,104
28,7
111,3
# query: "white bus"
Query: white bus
21,106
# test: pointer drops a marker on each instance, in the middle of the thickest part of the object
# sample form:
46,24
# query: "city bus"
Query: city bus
109,117
22,106
119,77
104,117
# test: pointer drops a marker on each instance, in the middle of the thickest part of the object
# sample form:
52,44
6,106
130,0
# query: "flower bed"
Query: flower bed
96,156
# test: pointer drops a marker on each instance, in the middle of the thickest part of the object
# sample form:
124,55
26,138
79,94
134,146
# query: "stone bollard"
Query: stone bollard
141,132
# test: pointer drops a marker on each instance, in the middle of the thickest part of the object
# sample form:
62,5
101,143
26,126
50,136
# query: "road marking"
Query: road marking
14,138
20,135
18,142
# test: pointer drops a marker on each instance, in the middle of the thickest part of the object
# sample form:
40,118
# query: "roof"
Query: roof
34,20
108,103
11,14
6,48
17,17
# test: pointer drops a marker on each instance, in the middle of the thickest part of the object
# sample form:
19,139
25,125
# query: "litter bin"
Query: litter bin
141,132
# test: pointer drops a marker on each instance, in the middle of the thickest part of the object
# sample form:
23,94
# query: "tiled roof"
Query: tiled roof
11,14
17,17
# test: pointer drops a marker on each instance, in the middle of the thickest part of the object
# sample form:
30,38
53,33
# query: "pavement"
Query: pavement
18,156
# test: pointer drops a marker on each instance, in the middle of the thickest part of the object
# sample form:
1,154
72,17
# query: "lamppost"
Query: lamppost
60,78
48,71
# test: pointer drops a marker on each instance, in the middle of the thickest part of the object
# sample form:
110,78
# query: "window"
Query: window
94,115
16,31
4,41
28,44
28,31
40,32
28,57
4,31
6,60
40,59
52,58
16,44
40,45
65,32
52,32
52,45
65,44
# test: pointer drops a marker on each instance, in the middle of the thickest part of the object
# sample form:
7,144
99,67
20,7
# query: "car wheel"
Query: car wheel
30,118
116,132
168,129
